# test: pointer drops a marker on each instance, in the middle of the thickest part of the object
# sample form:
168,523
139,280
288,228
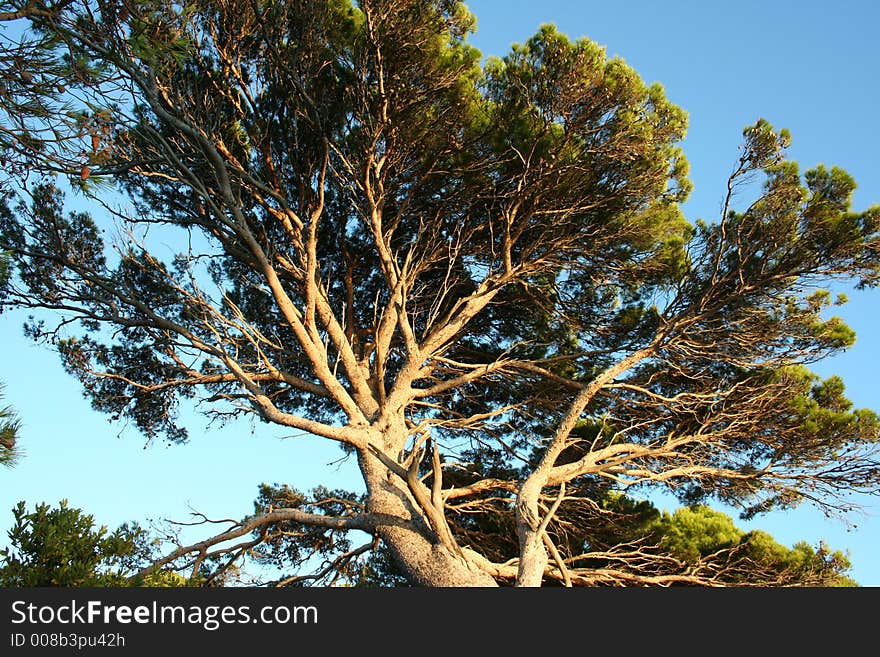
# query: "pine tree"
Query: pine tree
475,278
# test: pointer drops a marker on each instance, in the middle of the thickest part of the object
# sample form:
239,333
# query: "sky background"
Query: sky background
800,65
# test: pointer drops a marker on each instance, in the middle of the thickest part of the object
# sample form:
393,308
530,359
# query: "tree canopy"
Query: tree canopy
474,276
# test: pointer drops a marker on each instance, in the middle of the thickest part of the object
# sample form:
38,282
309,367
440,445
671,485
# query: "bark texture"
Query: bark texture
406,531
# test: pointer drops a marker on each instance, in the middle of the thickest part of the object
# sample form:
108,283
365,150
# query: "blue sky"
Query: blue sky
800,65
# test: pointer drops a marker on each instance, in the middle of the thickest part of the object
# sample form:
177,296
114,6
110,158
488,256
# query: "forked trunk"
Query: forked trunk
532,555
416,549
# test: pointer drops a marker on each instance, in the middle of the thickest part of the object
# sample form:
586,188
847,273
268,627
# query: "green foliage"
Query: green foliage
62,546
294,550
10,426
4,270
825,411
694,533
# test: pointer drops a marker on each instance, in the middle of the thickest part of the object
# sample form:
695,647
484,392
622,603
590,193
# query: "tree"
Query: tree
475,278
35,116
61,546
621,542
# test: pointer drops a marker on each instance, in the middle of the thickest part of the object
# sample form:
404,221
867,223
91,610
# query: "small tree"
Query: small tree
459,272
62,547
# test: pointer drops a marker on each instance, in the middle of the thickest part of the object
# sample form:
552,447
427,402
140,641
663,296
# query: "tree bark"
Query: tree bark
406,532
533,555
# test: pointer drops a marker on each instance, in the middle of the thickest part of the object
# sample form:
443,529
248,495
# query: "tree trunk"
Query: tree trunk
532,553
408,535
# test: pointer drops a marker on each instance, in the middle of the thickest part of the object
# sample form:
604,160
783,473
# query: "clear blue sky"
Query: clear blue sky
807,66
